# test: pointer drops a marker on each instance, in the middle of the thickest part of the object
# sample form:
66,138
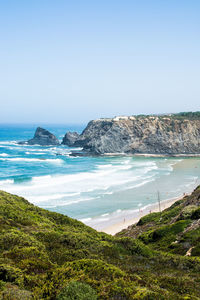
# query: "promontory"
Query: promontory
171,134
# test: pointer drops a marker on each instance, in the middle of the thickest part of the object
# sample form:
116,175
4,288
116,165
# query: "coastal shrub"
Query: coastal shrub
186,115
68,246
77,291
182,284
108,280
2,285
163,237
146,237
196,250
18,254
135,247
96,268
191,239
10,239
11,274
113,250
196,214
188,212
161,218
153,217
169,230
13,293
11,214
146,294
169,213
34,265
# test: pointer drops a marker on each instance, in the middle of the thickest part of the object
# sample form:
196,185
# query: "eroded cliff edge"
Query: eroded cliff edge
167,135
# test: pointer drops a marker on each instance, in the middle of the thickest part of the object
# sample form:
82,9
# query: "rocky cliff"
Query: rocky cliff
141,134
43,137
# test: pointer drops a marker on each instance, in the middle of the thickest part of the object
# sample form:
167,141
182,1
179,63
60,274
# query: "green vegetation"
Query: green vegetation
187,115
179,116
77,290
45,255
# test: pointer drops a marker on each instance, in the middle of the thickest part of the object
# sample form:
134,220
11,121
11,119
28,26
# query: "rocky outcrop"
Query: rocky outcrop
140,135
43,137
70,138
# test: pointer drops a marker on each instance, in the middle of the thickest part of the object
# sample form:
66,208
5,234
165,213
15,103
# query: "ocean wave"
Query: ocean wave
44,198
9,142
35,153
140,184
85,220
6,181
104,166
93,183
21,159
4,154
76,148
66,203
108,193
104,215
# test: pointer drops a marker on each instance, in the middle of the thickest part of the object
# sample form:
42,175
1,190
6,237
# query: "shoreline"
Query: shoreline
89,154
117,227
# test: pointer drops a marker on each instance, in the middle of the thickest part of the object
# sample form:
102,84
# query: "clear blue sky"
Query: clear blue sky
71,61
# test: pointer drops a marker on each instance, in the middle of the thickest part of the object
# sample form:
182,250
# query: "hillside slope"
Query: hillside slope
41,252
175,230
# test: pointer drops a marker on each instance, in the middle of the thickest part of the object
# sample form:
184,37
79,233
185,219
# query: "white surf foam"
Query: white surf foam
66,203
22,159
6,182
44,198
4,154
85,220
9,143
87,186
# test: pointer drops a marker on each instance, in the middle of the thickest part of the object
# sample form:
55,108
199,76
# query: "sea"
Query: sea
99,191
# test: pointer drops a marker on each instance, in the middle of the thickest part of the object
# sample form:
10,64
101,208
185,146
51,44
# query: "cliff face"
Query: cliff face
153,135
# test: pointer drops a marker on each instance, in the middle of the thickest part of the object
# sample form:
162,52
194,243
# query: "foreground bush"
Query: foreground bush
77,291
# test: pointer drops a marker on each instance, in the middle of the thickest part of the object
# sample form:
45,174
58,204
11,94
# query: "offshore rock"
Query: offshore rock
163,135
43,137
70,138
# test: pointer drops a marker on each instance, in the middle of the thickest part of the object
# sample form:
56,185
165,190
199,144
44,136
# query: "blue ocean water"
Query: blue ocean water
97,190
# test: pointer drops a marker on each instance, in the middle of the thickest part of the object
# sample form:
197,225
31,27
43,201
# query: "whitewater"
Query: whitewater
99,191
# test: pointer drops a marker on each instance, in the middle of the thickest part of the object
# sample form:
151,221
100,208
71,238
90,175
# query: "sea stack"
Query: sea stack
70,138
43,137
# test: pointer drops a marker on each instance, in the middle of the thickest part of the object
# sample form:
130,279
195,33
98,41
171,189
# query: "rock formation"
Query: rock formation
165,135
43,137
70,138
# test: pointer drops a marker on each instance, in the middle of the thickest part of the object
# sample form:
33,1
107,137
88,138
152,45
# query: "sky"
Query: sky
70,61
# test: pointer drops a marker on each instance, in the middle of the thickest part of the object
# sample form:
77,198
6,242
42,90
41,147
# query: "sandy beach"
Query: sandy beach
115,228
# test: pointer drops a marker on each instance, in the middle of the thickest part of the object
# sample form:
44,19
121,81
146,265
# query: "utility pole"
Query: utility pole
158,193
